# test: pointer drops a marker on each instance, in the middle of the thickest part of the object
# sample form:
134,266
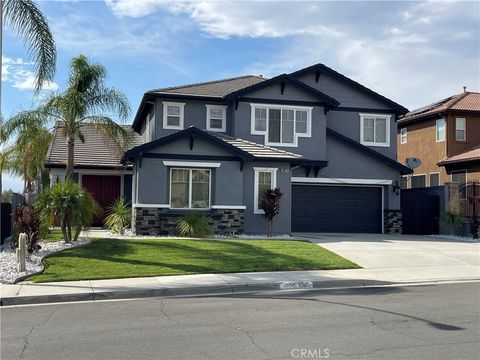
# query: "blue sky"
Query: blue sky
410,51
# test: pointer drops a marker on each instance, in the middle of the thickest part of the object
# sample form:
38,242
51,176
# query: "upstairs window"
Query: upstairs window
440,129
403,136
460,129
281,125
173,115
375,130
216,118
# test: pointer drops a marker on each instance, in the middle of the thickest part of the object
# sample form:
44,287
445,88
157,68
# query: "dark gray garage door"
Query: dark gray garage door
346,209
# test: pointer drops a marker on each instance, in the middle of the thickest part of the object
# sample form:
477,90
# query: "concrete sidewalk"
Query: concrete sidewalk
386,259
211,284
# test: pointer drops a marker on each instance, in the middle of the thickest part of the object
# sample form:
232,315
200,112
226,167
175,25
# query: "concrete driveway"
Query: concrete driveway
407,255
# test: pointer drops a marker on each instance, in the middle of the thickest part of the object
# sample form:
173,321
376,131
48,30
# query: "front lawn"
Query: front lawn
52,235
114,258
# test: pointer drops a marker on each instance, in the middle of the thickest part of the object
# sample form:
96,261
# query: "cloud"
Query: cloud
17,72
158,40
412,52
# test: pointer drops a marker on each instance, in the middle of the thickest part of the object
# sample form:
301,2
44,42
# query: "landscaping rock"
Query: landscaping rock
8,261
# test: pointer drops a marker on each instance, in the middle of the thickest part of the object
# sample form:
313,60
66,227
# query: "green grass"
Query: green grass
113,258
53,235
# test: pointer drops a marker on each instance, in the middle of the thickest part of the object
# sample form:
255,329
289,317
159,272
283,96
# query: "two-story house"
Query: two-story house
326,141
445,136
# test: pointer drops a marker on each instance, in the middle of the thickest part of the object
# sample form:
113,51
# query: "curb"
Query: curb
188,291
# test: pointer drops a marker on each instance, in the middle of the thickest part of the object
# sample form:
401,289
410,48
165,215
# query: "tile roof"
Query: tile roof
469,155
96,151
465,101
217,88
254,149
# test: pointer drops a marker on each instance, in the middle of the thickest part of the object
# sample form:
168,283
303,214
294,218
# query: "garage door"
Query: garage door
349,209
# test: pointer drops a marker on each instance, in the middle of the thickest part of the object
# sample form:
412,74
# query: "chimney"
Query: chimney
464,89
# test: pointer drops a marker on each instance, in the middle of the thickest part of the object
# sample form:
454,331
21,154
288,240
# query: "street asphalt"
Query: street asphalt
409,322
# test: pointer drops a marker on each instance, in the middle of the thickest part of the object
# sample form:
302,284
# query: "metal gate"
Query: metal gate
6,225
421,210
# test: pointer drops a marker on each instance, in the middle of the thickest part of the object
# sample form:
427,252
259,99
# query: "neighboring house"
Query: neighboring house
98,165
326,141
445,136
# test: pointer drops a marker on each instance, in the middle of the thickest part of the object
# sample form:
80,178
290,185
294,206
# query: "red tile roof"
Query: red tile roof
469,155
465,101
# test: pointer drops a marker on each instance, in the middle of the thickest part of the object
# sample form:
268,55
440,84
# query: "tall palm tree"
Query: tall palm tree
24,18
29,151
86,101
6,163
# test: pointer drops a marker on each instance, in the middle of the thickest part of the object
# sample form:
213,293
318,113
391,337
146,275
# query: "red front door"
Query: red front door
104,189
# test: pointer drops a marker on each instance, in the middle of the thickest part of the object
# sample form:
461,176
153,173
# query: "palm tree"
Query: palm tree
6,163
29,151
24,18
85,101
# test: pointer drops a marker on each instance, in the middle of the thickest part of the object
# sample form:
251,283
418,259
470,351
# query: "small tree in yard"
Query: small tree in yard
270,204
27,222
71,205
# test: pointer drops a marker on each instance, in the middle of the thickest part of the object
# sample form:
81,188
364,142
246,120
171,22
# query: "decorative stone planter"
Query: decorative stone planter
161,221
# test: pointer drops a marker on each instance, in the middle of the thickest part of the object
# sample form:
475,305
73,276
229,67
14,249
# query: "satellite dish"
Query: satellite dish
413,162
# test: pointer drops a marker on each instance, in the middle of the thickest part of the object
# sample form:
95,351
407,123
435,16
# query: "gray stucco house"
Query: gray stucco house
326,141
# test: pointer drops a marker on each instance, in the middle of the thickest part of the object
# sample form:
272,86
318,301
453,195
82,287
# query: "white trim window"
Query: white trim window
460,129
440,129
216,118
434,179
265,178
281,125
190,188
403,135
418,181
375,130
173,114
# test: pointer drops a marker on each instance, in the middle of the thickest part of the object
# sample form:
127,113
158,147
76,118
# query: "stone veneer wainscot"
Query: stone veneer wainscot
393,222
163,221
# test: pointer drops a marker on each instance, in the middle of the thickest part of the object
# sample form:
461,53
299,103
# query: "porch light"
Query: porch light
396,187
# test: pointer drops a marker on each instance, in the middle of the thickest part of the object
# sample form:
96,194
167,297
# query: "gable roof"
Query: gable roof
321,68
225,90
244,149
465,101
469,155
97,151
372,153
216,88
324,98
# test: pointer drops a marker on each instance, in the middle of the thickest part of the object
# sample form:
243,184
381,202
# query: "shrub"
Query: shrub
193,225
27,221
454,221
119,216
270,204
72,205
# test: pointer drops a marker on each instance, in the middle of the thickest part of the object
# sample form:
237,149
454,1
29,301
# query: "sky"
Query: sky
413,52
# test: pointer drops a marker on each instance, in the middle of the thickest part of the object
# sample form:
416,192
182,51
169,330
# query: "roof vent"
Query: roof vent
464,89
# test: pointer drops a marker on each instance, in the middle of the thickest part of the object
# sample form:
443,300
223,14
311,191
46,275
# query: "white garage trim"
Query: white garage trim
341,181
